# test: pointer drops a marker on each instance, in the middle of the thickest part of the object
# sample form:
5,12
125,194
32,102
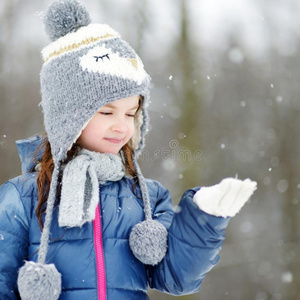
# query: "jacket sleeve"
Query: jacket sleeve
13,239
194,241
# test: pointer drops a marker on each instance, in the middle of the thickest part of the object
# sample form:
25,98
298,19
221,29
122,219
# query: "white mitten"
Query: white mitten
226,198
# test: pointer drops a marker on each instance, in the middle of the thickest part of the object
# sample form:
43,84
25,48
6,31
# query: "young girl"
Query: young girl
83,222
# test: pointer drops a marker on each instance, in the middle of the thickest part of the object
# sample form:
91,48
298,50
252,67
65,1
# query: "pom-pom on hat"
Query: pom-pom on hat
64,17
85,67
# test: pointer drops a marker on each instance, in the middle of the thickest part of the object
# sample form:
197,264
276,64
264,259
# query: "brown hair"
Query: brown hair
47,167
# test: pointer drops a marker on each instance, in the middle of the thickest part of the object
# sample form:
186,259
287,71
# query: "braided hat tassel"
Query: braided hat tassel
148,239
38,280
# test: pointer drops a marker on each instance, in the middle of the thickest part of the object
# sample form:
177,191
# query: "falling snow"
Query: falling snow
244,78
287,277
282,185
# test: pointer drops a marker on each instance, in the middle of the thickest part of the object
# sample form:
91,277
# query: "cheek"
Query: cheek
89,132
131,130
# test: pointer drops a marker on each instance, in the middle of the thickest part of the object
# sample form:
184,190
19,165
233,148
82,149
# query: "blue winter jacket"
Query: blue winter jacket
194,240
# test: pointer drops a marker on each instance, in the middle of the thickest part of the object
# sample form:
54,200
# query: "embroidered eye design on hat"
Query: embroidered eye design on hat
103,56
103,61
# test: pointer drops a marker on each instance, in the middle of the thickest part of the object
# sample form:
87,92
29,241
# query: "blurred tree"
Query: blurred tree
184,64
285,123
7,15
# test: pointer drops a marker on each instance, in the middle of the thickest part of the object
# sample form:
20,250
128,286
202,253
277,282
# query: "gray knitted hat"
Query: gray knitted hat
85,67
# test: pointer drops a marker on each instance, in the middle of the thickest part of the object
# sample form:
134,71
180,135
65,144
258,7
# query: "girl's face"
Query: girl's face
111,127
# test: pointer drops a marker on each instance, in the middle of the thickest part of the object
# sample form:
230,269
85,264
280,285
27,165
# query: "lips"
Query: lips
114,141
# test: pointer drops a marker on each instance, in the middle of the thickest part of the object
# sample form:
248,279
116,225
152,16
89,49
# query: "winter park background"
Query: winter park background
225,103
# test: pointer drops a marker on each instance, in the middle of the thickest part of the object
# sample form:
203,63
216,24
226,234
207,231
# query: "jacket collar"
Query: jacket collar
29,152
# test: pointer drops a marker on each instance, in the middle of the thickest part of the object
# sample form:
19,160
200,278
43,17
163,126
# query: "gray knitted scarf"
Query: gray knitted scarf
80,185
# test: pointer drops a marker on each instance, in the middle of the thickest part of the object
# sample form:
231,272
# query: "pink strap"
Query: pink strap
99,256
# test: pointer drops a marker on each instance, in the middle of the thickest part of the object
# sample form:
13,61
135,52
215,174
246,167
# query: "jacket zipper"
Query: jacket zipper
99,256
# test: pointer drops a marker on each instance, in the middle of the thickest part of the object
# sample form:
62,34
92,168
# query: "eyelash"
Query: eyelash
102,57
108,114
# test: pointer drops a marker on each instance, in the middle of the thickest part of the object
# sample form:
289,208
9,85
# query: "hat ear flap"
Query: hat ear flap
138,122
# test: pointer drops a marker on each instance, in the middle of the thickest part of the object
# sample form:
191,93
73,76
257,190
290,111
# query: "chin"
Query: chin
110,150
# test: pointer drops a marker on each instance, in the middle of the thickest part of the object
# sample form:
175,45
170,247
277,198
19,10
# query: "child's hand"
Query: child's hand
226,198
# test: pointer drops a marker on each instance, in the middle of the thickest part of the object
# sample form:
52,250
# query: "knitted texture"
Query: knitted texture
144,191
148,242
42,281
148,239
80,185
64,17
83,71
49,211
39,281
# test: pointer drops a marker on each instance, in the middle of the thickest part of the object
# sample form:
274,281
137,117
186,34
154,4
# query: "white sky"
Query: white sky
257,23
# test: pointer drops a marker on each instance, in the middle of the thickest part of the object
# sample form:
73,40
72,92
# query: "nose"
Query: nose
119,126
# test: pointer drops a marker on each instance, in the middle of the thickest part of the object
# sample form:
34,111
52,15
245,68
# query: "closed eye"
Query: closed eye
131,115
105,113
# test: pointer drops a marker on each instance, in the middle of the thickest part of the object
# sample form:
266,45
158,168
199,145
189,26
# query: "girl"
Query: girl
87,222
